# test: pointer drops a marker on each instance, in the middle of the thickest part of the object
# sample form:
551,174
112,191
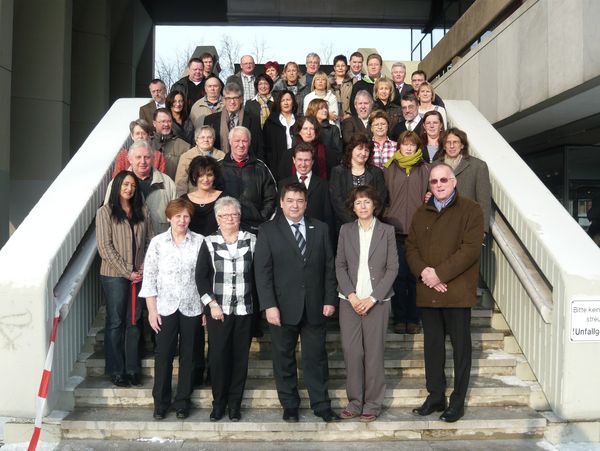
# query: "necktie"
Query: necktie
232,120
303,179
299,238
409,126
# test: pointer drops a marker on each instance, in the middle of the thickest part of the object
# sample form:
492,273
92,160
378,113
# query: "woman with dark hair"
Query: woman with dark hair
307,131
366,265
407,180
272,70
139,130
329,134
260,106
433,127
182,126
224,279
383,147
277,131
472,175
203,173
384,93
341,85
174,307
123,231
355,170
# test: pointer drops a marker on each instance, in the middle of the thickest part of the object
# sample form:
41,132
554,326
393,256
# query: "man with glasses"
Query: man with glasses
442,250
245,78
233,115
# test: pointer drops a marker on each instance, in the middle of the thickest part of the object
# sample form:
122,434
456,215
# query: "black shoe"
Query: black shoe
290,415
135,379
119,380
235,414
452,414
217,413
182,414
159,414
328,415
429,407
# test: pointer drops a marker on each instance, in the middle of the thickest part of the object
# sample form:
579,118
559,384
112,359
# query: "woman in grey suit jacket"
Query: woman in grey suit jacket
472,175
366,266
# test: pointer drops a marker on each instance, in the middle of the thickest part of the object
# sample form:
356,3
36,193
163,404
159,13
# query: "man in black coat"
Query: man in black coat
233,115
296,284
318,201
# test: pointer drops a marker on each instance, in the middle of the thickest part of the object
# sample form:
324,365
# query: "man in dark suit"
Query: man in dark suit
412,121
318,201
398,75
158,91
231,116
363,104
296,284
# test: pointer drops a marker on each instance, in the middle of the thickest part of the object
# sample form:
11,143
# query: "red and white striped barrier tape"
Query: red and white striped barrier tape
44,384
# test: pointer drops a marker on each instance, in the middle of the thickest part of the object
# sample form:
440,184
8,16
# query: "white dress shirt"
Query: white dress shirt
169,274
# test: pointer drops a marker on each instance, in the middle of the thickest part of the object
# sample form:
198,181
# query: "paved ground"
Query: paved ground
486,445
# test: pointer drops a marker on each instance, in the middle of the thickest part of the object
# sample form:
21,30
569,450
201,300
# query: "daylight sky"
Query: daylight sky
286,43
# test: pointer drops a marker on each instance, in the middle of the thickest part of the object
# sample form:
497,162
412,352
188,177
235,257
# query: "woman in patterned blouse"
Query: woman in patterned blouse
174,307
224,281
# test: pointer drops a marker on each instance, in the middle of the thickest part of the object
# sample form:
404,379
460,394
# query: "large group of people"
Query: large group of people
294,198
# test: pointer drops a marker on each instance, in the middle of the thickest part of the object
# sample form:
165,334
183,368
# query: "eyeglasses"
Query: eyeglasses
442,180
229,216
231,99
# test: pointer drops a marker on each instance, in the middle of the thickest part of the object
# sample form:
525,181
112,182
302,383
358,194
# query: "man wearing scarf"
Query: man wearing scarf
443,250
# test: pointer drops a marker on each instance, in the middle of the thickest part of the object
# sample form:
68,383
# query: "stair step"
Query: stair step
267,425
397,363
481,338
261,393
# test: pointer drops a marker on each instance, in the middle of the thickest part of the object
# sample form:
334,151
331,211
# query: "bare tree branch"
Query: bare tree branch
229,55
326,52
174,67
259,48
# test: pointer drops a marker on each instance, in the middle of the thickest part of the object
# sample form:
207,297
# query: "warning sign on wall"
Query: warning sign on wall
585,320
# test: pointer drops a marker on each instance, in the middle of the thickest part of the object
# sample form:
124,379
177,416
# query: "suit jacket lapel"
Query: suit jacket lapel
375,238
310,238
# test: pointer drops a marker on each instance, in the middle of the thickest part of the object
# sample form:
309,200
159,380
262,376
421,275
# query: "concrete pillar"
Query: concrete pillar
130,39
145,67
41,80
89,67
6,31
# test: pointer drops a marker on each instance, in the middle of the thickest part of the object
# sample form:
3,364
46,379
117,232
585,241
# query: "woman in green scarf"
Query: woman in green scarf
406,178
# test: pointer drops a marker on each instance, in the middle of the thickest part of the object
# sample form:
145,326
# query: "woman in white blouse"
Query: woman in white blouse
174,307
224,281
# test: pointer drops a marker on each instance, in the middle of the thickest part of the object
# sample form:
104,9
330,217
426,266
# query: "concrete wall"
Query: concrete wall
543,49
6,31
61,63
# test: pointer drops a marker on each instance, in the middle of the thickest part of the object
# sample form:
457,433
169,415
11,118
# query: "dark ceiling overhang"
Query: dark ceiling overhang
419,14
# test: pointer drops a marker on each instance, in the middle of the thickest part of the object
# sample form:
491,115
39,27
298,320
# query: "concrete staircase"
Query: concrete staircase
503,401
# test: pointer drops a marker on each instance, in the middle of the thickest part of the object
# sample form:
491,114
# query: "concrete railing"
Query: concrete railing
565,258
36,276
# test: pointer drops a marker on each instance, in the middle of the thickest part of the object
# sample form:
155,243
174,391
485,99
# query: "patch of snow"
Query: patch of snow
42,446
513,381
158,440
580,446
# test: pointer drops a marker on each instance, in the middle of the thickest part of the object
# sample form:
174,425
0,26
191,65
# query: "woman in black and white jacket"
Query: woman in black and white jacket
224,281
